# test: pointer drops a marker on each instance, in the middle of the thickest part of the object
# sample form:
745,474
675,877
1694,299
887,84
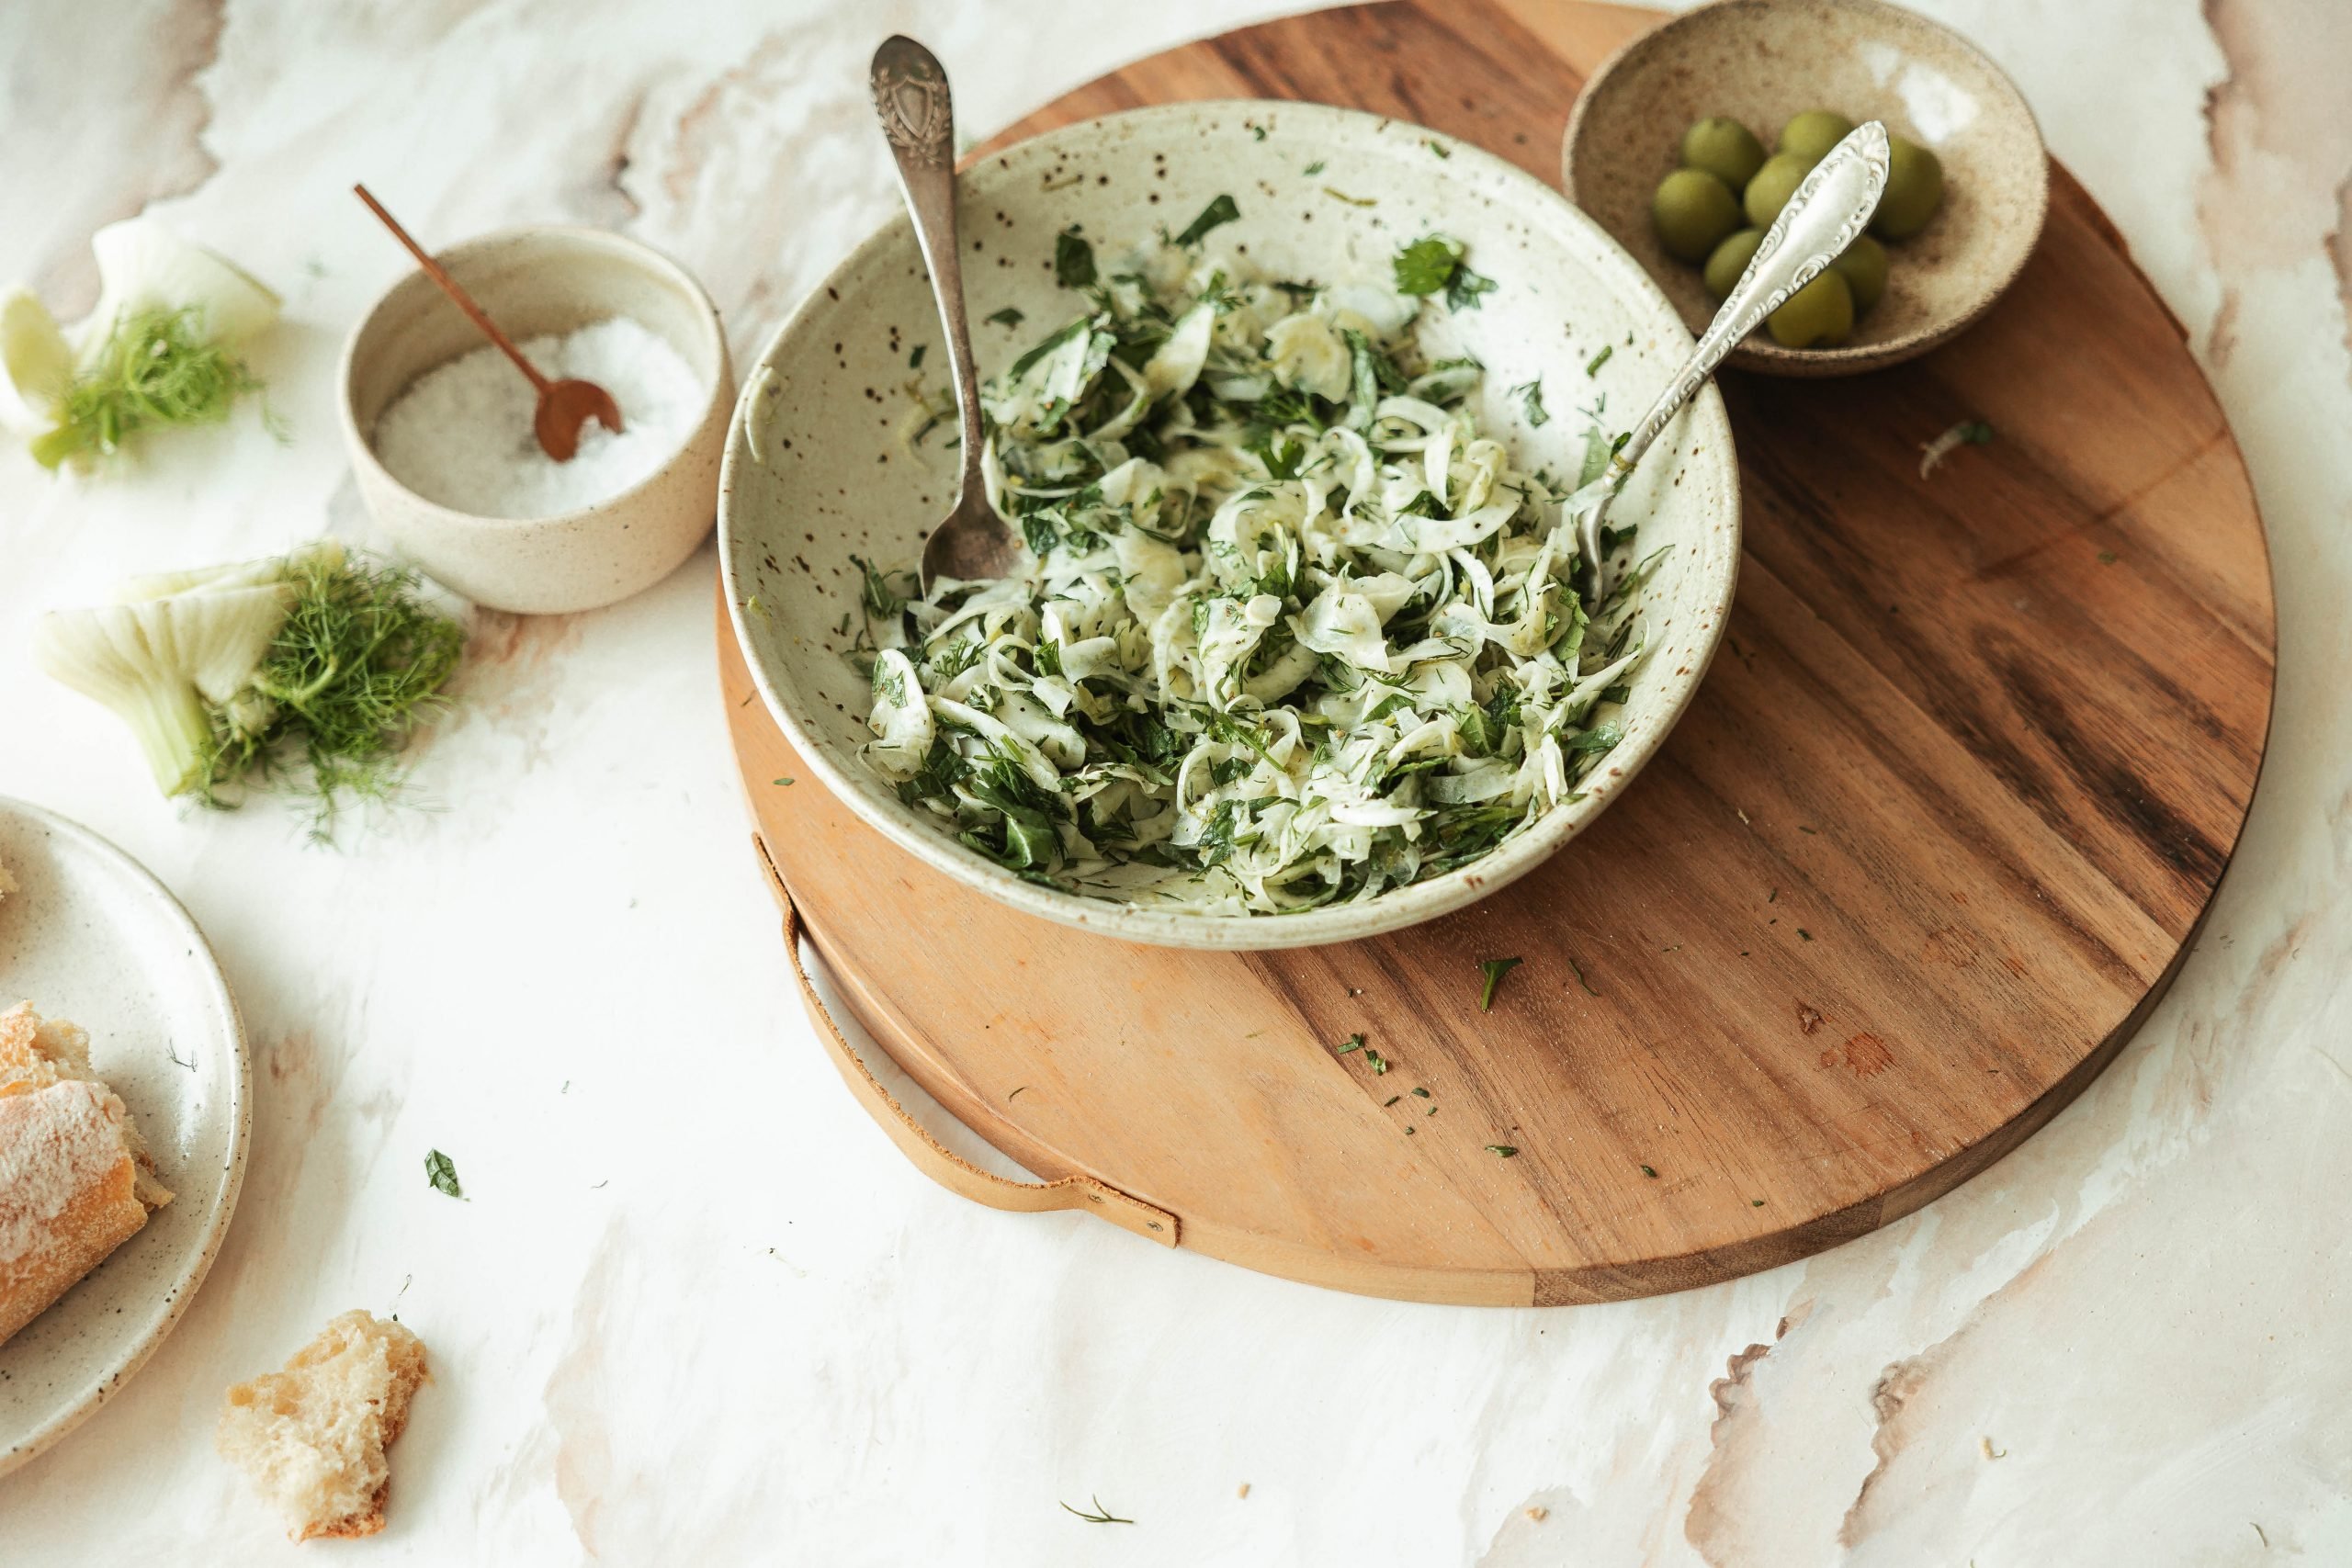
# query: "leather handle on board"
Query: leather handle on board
930,1156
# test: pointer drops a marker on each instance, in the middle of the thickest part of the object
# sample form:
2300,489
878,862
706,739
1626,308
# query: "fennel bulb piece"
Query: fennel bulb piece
159,663
35,364
144,267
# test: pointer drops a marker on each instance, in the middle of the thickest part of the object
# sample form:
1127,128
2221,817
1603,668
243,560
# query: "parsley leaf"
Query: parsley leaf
1434,263
441,1173
1530,399
1216,213
1073,260
1464,291
1494,969
1425,266
1008,317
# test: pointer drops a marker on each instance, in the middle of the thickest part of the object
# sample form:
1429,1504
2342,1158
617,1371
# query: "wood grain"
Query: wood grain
1928,846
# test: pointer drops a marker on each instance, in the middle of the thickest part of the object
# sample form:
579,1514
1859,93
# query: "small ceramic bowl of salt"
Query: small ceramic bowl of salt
439,427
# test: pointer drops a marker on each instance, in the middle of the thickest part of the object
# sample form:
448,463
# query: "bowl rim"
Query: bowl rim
1398,907
647,258
1757,351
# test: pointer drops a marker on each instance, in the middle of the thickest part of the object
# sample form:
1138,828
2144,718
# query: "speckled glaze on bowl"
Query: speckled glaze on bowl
819,467
90,936
532,282
1762,60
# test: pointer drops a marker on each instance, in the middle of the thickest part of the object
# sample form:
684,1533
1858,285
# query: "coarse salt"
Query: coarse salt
461,435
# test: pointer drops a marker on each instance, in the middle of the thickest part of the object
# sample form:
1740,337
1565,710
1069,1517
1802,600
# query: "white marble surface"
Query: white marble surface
697,1310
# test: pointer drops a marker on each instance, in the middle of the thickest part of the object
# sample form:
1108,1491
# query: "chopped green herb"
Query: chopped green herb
914,360
1101,1516
783,781
1355,1043
1804,933
1531,401
1073,260
1502,1151
1648,1172
1423,267
1008,317
1351,200
1257,132
1755,1203
881,601
1578,970
1378,1063
1592,366
1313,169
1494,969
1422,1093
2108,558
1215,214
1390,1101
1440,149
441,1173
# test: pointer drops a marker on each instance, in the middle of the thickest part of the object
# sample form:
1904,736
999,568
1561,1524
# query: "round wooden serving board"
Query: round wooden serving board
1925,849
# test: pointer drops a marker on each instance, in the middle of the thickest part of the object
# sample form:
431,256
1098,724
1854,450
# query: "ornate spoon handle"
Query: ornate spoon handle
1825,215
910,99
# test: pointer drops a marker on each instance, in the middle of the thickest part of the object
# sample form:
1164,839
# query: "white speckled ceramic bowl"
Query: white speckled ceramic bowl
1762,60
90,936
819,469
532,282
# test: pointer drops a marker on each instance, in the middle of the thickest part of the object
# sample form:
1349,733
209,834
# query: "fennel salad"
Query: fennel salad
1290,630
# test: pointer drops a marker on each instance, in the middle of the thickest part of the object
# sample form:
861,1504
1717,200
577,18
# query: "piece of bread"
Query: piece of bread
312,1437
75,1180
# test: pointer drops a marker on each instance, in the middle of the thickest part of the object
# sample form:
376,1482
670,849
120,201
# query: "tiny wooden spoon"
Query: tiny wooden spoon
564,406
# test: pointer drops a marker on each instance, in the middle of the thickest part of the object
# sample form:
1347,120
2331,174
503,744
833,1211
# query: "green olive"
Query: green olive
1813,133
1730,259
1914,188
1864,266
1693,210
1820,315
1774,184
1725,148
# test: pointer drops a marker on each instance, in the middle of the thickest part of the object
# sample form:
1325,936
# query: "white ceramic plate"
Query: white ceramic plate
90,936
1324,194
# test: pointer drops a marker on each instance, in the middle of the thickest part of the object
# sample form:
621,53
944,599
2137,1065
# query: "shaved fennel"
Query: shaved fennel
1290,630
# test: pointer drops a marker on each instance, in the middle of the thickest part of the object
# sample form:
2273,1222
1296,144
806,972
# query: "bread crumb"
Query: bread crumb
312,1437
1242,1490
1539,1514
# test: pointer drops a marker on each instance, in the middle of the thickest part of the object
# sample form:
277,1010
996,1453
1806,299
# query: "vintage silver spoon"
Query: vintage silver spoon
910,99
1828,211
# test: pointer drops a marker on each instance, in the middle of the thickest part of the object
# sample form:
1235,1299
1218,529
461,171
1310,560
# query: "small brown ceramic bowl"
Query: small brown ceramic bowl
1763,60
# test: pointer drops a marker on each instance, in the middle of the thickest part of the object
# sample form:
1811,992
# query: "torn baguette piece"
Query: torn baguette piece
76,1179
312,1437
